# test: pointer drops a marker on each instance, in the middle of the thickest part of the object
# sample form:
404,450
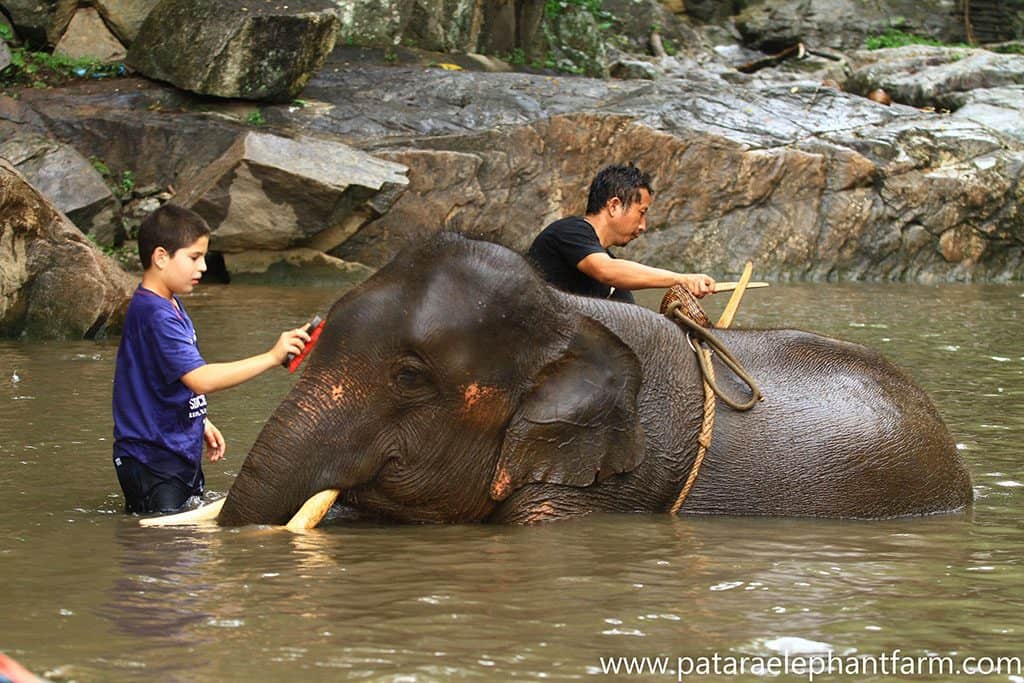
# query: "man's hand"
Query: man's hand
698,285
215,446
290,342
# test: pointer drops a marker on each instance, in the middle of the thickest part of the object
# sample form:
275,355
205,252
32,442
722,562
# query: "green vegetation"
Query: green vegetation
256,118
122,185
556,8
517,57
126,255
1008,48
42,69
894,37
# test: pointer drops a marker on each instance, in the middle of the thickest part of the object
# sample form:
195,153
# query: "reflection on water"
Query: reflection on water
91,596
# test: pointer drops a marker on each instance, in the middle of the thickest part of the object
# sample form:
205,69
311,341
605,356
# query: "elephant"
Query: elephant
455,385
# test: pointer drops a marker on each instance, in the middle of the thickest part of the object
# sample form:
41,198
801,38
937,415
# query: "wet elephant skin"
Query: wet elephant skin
455,386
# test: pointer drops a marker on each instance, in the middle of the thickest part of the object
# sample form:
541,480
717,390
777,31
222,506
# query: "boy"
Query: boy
161,381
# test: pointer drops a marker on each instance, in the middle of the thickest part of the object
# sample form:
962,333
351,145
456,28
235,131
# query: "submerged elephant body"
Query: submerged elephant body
455,386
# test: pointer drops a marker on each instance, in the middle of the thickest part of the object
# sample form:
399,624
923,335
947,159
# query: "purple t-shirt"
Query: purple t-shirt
157,419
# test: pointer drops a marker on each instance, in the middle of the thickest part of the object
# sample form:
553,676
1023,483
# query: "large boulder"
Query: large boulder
125,17
271,192
236,48
65,178
1001,109
927,76
844,24
87,37
31,18
294,266
53,282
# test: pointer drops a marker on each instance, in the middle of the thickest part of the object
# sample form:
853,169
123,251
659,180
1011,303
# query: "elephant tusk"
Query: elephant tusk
313,510
205,513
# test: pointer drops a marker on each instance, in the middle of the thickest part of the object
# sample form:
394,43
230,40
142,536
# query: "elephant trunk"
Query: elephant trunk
283,469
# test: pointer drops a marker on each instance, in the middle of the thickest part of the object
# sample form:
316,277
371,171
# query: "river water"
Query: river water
88,595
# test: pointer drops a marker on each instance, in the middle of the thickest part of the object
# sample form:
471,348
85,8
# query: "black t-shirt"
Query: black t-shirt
560,247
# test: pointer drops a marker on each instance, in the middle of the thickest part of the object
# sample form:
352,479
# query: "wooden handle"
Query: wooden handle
730,286
734,301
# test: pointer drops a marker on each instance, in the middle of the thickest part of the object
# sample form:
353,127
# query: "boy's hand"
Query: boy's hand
290,342
215,446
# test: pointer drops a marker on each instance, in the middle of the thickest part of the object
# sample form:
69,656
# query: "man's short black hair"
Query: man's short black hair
171,227
622,181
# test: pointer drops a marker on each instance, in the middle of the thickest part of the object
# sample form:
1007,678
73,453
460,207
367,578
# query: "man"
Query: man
572,253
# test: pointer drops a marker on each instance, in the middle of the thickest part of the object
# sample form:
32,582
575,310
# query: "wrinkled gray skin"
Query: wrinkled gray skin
455,386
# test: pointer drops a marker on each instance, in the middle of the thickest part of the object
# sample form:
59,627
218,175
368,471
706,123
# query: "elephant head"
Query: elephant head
441,385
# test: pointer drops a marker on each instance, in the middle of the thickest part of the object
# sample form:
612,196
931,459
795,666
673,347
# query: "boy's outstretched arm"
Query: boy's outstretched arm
216,376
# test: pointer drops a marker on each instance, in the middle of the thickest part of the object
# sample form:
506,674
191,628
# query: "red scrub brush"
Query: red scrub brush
314,328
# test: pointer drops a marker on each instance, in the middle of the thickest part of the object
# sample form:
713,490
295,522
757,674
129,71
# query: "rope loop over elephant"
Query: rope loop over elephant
680,306
704,336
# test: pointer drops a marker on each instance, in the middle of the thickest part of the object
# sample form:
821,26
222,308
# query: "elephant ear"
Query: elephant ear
579,424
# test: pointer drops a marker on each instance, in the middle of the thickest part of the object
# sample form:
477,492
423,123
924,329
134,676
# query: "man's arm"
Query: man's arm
216,376
624,274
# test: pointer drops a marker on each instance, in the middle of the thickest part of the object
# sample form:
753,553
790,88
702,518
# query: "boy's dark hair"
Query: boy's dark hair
622,181
171,227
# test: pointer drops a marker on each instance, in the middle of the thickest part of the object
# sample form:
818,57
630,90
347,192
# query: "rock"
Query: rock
632,68
636,20
125,17
53,283
271,192
996,20
161,119
443,25
844,24
807,181
5,56
576,45
8,35
997,108
87,37
927,76
31,18
65,178
294,266
709,11
235,48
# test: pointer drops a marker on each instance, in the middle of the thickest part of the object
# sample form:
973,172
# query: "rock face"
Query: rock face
807,180
53,283
294,266
65,178
31,18
844,24
125,17
997,108
87,37
271,192
926,76
235,48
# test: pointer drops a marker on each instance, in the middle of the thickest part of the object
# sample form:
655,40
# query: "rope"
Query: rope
703,335
711,390
704,438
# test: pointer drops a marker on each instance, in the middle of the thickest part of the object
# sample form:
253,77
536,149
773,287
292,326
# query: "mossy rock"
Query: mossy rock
236,48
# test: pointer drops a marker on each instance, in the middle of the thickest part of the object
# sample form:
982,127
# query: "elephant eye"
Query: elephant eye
410,375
